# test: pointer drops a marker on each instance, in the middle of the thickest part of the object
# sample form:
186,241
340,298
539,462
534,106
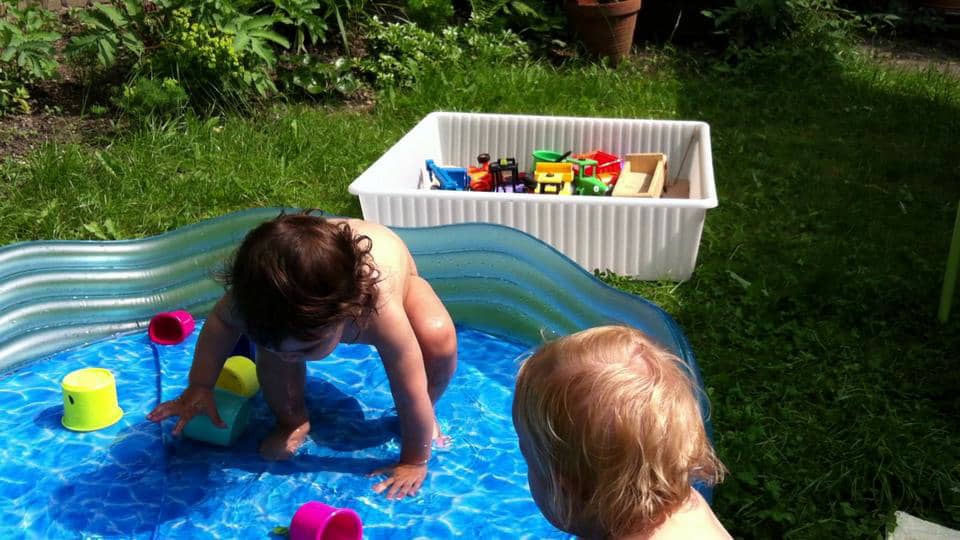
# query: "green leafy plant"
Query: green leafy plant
254,34
220,51
252,37
527,13
752,23
309,21
300,18
403,53
202,55
213,62
541,23
215,52
27,53
430,14
26,39
111,32
530,9
307,74
148,97
13,95
752,27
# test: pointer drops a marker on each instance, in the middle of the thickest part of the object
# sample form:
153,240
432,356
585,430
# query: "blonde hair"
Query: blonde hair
614,429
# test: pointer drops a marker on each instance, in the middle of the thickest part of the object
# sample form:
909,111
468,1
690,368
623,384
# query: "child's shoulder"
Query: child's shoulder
389,256
695,519
367,228
385,245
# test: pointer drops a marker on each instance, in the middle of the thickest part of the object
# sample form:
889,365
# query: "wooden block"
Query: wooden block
643,175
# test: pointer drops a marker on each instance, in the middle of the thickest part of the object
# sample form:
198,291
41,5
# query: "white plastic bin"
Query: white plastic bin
645,238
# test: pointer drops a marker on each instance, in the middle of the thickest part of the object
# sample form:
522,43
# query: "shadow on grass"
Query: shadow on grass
812,309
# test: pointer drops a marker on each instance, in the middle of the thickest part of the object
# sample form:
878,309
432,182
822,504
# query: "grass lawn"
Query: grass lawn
813,306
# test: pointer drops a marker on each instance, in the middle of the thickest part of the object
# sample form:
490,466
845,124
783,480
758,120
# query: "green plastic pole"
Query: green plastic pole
950,277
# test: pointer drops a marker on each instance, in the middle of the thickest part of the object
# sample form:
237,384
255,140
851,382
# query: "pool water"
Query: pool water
134,480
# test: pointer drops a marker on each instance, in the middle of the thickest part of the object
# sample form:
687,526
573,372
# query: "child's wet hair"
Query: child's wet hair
613,430
298,273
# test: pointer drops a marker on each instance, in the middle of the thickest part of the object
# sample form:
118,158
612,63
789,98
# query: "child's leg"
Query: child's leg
435,332
283,386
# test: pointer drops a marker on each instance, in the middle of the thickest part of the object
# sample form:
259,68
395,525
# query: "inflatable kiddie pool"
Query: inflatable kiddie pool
73,305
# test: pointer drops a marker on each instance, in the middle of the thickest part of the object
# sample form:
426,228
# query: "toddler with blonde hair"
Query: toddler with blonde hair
610,427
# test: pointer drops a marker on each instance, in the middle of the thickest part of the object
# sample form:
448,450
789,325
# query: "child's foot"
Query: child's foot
284,441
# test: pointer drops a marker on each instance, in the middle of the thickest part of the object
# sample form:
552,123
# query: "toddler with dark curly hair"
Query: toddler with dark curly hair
299,285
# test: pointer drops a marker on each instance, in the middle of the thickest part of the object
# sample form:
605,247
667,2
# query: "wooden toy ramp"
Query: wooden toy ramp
642,176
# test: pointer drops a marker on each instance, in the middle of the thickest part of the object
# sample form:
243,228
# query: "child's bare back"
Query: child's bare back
299,286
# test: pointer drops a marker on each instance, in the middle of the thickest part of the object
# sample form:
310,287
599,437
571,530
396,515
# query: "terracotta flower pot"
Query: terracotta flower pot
605,29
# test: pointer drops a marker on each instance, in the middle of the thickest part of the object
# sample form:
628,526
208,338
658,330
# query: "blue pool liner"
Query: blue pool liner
57,296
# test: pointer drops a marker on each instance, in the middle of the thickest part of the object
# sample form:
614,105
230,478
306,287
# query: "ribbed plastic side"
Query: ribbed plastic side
648,242
646,238
55,295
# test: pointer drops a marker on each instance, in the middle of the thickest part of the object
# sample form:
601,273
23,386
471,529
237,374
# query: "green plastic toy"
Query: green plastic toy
585,181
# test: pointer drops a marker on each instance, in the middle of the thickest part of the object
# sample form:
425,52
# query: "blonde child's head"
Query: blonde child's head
610,427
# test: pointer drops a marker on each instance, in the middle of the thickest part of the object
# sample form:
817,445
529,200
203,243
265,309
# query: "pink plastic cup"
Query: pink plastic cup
317,521
171,327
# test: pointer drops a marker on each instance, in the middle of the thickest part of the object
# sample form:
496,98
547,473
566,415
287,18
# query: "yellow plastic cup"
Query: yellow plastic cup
90,400
239,375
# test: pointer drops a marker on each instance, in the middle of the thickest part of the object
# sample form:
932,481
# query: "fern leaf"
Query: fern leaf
263,51
106,51
270,35
133,43
263,21
113,14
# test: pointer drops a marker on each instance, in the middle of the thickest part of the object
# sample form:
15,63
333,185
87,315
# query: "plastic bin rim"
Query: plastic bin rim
441,114
357,186
706,203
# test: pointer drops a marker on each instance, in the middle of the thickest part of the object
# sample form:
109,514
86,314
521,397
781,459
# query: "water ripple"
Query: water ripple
134,480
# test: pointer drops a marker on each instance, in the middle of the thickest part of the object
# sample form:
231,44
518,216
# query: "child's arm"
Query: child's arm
217,338
403,361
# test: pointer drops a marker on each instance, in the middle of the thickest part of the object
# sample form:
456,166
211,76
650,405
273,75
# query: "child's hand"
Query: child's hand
404,480
193,401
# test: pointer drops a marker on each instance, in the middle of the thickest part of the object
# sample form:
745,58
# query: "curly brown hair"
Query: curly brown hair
298,273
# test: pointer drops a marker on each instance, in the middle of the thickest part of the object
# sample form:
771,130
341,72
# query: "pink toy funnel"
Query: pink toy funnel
317,521
171,327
